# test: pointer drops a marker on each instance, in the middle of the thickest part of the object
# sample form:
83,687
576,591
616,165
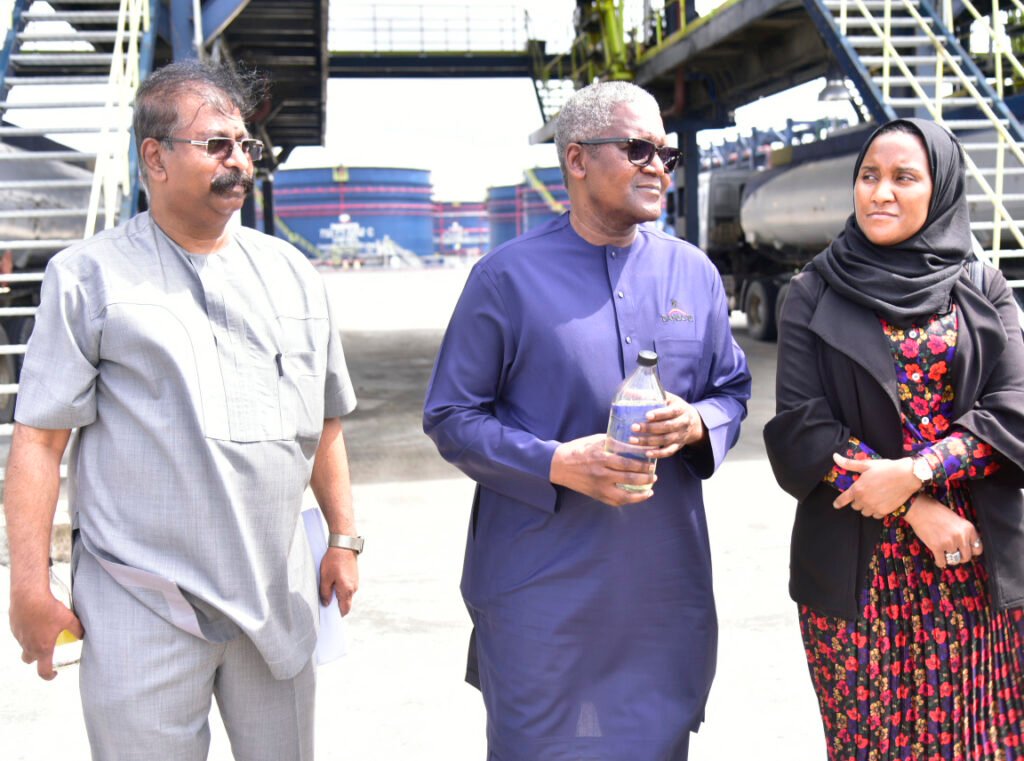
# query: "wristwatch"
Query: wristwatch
922,469
342,541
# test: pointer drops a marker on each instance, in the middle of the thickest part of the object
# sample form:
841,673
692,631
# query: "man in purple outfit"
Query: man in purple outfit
594,619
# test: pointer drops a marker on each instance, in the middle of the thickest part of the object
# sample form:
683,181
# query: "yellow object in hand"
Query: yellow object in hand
66,638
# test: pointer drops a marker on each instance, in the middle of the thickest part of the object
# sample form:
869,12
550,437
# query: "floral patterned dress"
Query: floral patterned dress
928,671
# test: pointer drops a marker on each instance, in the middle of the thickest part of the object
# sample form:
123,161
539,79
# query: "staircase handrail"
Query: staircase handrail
965,80
993,195
112,175
999,49
935,108
10,37
889,51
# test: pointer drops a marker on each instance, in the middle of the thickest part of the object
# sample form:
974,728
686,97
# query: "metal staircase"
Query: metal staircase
905,61
68,72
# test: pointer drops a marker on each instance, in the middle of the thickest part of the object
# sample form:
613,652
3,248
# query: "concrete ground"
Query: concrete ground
399,693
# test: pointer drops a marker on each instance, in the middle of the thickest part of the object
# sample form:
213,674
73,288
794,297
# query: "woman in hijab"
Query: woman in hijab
900,431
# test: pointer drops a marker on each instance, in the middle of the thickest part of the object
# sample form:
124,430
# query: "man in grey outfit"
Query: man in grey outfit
201,366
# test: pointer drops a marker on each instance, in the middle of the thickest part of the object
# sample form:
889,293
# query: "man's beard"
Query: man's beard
225,184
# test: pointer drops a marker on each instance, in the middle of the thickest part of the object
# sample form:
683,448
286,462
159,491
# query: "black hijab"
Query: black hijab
913,279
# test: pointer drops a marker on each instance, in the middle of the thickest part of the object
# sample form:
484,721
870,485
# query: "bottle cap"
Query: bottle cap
647,359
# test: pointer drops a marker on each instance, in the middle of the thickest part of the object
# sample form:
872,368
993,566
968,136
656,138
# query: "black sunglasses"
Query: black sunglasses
640,152
221,147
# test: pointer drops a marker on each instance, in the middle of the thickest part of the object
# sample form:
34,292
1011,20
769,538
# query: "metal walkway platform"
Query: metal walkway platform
430,40
745,50
496,64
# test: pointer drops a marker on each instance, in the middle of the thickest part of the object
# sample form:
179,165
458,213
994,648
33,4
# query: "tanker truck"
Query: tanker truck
761,226
42,207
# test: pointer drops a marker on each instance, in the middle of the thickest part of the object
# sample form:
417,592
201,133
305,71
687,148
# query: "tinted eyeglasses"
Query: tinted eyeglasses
221,147
640,152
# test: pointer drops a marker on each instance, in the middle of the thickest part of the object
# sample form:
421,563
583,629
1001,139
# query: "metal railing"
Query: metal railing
112,175
949,77
426,28
8,389
1000,45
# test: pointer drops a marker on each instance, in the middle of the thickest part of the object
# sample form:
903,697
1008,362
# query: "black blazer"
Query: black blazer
836,378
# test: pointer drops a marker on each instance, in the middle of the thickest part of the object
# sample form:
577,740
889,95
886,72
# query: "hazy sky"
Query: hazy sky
470,133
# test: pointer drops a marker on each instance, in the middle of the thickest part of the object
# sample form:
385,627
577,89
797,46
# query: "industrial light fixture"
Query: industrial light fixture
835,86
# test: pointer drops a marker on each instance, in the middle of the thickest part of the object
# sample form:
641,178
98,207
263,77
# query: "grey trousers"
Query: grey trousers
147,685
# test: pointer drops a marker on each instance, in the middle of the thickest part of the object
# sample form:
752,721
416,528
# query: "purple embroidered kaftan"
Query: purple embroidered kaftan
595,627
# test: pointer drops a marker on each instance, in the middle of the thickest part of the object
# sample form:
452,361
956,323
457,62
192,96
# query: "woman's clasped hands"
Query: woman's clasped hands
881,487
884,485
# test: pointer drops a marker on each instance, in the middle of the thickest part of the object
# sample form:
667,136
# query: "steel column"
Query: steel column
268,204
691,169
182,25
249,211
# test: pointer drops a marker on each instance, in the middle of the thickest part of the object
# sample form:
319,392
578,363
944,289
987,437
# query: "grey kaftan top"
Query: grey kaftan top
200,384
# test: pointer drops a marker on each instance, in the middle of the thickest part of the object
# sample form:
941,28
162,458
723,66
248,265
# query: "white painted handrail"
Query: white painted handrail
933,103
112,175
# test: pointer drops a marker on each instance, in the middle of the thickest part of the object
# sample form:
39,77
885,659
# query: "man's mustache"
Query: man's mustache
226,183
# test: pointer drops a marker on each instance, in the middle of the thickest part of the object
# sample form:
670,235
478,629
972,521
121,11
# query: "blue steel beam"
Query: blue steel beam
715,30
849,61
182,29
130,202
149,39
218,14
358,65
743,50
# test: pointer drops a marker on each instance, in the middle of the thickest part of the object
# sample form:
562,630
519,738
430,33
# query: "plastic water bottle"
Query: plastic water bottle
68,648
640,392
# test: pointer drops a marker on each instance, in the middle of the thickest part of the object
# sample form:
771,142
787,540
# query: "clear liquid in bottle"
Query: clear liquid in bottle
639,393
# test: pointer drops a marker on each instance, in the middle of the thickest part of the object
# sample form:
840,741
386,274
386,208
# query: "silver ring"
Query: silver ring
976,544
952,558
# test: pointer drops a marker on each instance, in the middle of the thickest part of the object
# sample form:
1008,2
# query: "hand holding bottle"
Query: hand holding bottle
670,428
584,466
639,395
38,620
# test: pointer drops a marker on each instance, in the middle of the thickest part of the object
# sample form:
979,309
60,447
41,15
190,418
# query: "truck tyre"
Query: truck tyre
7,375
760,310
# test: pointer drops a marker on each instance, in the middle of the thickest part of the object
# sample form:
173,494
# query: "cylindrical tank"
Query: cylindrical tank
355,212
33,224
800,208
461,228
503,213
544,196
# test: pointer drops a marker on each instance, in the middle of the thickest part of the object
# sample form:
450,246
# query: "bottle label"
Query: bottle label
620,423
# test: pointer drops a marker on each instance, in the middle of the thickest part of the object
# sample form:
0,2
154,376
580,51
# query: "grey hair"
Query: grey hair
589,112
157,113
